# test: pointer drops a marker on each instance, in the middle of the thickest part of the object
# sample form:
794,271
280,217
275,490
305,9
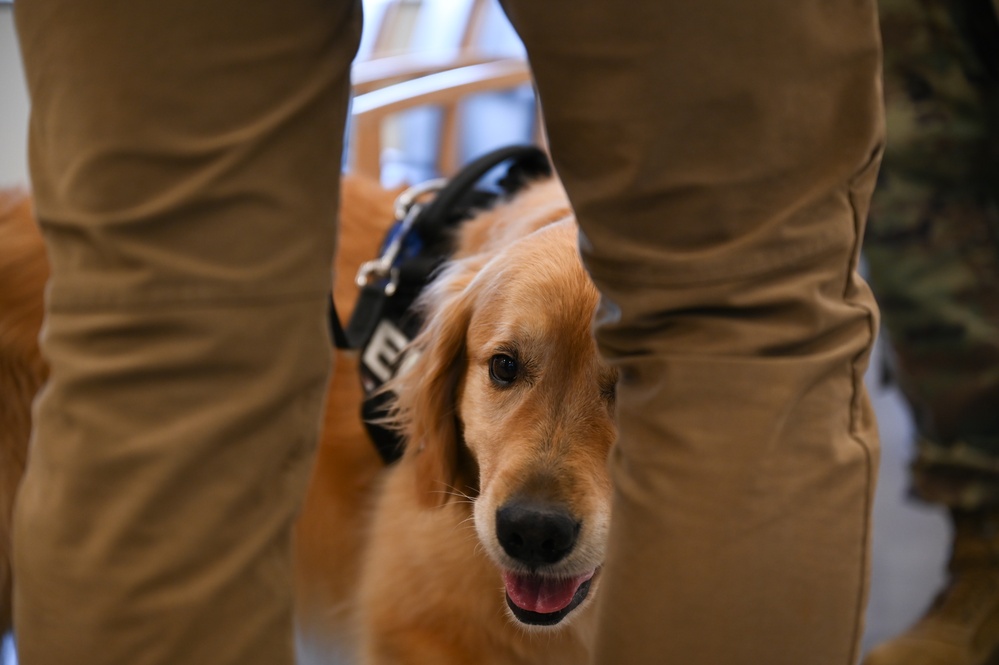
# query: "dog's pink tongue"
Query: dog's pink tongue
541,594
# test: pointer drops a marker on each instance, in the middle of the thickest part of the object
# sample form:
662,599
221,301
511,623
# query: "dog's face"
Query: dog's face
526,421
536,407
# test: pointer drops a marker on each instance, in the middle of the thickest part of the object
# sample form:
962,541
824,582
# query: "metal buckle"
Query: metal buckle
407,209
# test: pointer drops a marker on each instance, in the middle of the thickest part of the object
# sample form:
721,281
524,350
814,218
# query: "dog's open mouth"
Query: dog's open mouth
544,601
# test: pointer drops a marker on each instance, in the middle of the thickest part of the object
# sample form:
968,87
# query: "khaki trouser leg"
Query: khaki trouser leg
720,158
185,158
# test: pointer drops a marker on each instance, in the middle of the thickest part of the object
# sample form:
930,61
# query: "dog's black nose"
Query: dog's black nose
535,534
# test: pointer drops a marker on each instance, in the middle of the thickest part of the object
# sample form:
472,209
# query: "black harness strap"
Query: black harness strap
383,323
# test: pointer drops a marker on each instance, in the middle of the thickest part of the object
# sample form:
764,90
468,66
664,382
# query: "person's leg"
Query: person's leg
933,251
933,241
184,158
720,158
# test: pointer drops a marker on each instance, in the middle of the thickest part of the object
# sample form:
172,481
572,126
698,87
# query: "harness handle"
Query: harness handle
530,162
379,279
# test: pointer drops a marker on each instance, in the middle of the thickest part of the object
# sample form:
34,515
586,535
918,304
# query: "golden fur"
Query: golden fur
23,271
423,581
403,565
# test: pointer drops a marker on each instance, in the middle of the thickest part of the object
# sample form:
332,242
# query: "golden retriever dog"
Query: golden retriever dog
484,542
486,539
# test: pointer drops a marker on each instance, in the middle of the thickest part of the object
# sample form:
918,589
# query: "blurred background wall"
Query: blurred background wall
13,105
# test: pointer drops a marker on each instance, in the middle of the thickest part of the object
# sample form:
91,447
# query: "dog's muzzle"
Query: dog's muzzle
537,536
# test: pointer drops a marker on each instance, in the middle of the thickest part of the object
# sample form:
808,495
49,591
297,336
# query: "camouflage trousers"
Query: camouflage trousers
933,239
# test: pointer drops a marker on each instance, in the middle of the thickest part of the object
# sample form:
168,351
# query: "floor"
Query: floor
911,540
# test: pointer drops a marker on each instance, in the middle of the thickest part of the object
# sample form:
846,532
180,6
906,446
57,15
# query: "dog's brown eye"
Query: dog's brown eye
503,369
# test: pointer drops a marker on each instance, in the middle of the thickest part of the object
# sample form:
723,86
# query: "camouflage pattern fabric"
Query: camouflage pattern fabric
933,238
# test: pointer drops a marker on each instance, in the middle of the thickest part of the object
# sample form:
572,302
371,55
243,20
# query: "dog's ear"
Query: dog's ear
425,405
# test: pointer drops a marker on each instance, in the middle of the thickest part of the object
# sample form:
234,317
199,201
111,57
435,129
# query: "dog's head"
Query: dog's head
510,405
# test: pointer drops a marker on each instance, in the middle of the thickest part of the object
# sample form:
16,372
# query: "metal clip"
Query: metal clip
407,209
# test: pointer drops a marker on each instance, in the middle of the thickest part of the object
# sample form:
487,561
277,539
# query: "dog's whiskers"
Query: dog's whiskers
480,548
450,490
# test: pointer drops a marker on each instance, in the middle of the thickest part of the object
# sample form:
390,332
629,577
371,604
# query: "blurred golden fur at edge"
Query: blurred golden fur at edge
404,564
23,271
